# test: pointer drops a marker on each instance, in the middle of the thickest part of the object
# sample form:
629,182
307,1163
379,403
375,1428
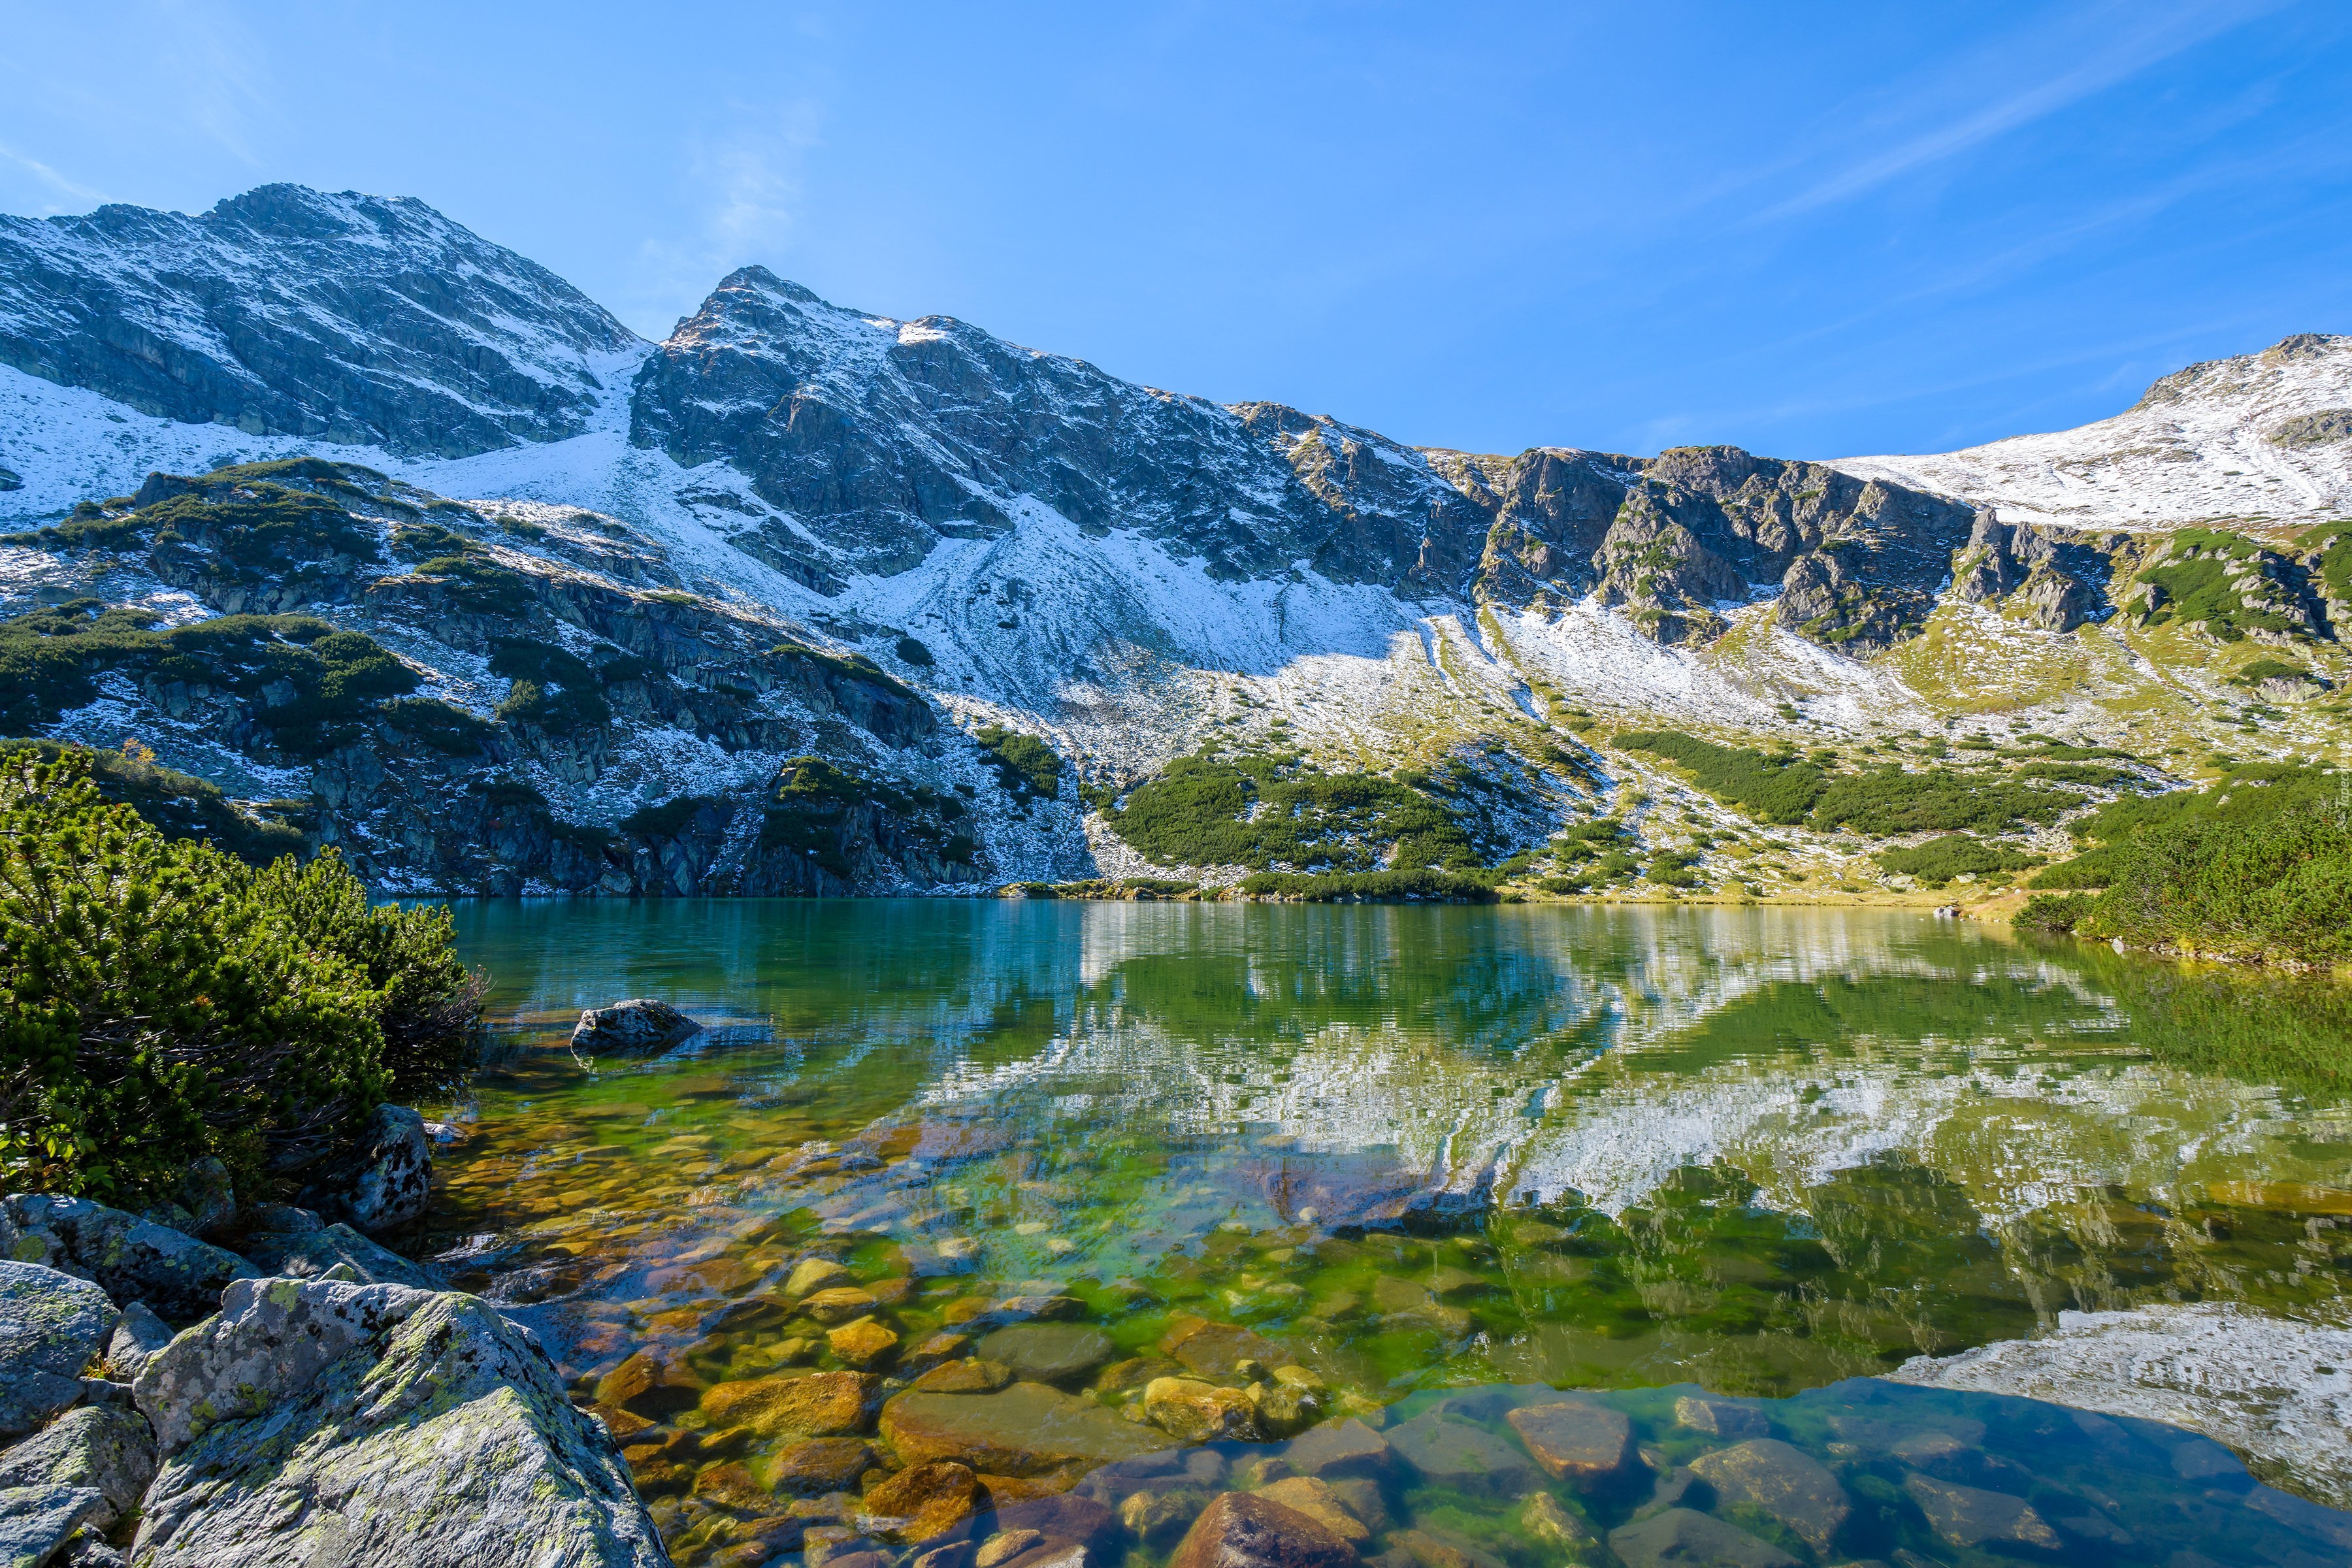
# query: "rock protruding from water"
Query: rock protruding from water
2265,1387
1238,1529
386,1181
639,1026
325,1421
130,1257
51,1324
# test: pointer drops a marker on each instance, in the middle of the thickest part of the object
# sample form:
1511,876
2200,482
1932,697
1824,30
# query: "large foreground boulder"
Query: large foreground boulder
130,1257
51,1324
318,1422
631,1028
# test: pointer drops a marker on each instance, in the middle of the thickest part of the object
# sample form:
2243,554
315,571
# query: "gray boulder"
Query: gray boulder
387,1180
130,1257
105,1447
635,1027
138,1339
315,1422
308,1254
51,1324
35,1522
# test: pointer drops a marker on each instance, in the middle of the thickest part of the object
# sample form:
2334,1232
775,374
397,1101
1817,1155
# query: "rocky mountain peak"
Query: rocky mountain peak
349,319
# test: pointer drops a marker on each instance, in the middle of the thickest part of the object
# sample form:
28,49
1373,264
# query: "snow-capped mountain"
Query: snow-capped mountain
2261,437
347,318
796,530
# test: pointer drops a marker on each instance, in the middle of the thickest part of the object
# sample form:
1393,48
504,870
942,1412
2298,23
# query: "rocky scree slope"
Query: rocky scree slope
972,540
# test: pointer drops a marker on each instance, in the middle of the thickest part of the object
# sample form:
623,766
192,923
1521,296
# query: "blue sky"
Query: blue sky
1811,229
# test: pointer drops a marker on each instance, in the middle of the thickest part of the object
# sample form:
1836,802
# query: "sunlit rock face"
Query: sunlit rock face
346,318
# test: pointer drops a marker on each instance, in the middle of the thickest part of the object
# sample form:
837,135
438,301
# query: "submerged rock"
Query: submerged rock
922,1501
1195,1412
1721,1417
1049,1353
812,1404
1341,1449
1682,1538
2270,1389
51,1324
131,1258
1317,1502
1784,1481
106,1447
1026,1429
1585,1445
1450,1453
320,1421
635,1027
1238,1529
1971,1516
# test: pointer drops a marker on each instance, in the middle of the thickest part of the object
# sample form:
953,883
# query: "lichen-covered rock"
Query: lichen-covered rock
128,1258
107,1448
634,1027
35,1522
305,1255
320,1422
138,1339
392,1177
51,1324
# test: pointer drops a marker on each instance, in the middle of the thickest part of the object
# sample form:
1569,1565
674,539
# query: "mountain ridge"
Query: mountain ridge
1027,544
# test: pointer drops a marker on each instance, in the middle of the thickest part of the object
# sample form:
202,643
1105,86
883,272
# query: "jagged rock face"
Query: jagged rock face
346,318
2057,581
867,441
1674,538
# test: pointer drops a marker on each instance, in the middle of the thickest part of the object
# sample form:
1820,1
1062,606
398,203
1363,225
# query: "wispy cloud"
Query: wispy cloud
2138,49
218,65
76,194
747,184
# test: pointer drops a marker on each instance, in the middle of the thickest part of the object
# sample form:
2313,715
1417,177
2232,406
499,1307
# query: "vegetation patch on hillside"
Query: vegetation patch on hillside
2256,867
1771,786
51,658
1406,887
1939,860
1271,811
1881,802
1025,764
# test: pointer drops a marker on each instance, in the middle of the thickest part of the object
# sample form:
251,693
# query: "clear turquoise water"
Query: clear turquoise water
1409,1149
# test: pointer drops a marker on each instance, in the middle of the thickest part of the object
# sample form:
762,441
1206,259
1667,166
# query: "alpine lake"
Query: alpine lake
979,1234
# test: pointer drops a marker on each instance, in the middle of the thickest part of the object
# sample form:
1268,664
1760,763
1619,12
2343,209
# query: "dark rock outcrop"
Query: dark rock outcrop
639,1026
346,318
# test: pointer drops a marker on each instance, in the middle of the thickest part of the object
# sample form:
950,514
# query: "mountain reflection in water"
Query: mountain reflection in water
1760,1151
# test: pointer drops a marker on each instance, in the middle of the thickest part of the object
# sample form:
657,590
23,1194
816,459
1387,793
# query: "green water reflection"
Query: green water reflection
1759,1150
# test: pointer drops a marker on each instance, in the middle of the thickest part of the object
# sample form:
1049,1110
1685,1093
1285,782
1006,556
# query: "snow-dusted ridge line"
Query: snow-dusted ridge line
2201,447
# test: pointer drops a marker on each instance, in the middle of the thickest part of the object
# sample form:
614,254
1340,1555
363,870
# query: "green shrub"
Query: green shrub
161,1002
667,819
2057,913
1371,887
1770,786
2080,773
1939,860
1266,810
441,725
914,653
1023,763
1888,801
176,804
553,688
